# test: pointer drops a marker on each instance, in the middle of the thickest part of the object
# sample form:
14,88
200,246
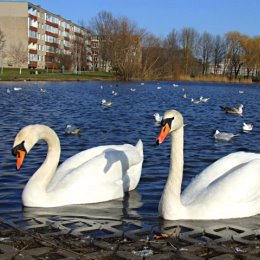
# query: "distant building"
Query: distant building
46,37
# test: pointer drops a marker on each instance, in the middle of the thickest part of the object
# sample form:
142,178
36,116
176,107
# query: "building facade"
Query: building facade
46,37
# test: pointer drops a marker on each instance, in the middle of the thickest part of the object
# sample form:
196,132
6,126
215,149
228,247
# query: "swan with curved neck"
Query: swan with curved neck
98,174
229,188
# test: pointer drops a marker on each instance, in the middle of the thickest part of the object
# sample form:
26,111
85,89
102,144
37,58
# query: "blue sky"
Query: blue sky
161,16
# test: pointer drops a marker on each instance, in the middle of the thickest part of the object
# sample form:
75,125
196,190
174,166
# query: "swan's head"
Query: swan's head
172,121
25,140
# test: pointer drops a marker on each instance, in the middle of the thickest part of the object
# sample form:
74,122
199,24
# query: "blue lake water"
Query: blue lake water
130,118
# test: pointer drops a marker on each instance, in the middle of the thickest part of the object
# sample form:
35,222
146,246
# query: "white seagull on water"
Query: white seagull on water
222,136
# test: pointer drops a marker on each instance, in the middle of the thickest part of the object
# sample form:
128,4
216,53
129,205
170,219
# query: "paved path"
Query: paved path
75,238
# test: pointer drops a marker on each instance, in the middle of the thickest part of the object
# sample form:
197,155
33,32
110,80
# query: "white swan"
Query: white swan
98,174
229,188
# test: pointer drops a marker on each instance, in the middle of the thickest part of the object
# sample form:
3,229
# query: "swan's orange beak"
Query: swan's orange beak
19,152
163,133
20,155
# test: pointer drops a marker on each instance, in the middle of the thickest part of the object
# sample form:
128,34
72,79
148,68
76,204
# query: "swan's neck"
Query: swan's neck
176,164
37,185
172,191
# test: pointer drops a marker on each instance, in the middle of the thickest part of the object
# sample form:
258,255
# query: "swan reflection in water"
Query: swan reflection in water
222,227
118,210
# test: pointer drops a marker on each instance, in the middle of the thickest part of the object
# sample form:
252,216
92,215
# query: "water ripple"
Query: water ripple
130,118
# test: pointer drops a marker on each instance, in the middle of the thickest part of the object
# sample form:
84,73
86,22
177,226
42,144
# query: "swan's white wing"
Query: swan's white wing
112,170
234,194
213,172
80,158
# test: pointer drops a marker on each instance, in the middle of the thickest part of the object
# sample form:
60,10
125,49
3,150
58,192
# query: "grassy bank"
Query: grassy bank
13,74
214,78
42,75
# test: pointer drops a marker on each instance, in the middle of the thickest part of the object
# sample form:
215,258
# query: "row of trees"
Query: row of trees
131,52
134,53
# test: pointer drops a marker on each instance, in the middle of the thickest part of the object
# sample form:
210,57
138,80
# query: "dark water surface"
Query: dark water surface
129,118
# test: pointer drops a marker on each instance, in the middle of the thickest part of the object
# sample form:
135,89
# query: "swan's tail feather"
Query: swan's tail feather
139,147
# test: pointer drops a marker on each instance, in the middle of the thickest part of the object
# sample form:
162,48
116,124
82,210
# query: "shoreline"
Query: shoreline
136,80
56,244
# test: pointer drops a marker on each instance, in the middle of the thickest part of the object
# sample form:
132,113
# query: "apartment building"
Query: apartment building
46,37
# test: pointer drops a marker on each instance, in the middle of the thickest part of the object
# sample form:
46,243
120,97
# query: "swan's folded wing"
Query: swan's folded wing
82,158
238,187
214,172
105,171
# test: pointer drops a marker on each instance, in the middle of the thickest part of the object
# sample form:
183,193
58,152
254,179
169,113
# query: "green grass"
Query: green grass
13,74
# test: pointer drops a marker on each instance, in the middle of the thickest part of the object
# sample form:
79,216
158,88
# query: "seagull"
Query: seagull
157,117
17,89
133,89
106,103
202,99
233,110
222,136
184,95
195,101
8,91
114,93
72,130
247,127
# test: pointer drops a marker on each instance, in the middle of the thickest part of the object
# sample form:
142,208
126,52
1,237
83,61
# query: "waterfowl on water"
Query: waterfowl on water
223,136
233,110
247,127
72,130
98,174
106,103
228,188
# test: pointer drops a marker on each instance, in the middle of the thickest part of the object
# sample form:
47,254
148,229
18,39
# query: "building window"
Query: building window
51,39
51,29
33,57
32,34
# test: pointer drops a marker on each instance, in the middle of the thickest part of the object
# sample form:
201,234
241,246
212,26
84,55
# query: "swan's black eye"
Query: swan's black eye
163,122
166,121
18,147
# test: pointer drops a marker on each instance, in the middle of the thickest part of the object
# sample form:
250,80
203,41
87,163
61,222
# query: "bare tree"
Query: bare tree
219,51
18,56
120,44
103,23
251,55
171,51
205,50
80,48
2,45
77,48
151,55
235,52
188,42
